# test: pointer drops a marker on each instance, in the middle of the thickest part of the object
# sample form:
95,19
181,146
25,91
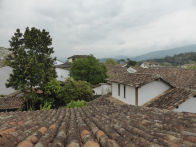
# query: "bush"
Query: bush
78,103
46,106
76,90
110,61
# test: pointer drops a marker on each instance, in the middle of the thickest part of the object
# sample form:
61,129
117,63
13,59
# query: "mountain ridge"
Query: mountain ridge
164,53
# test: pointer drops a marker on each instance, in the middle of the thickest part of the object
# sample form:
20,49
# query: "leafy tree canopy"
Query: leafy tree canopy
110,61
131,62
30,59
76,90
88,69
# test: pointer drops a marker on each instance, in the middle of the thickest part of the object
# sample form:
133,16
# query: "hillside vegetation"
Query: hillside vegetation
165,53
177,60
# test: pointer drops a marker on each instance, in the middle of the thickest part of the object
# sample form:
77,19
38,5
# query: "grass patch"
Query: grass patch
75,104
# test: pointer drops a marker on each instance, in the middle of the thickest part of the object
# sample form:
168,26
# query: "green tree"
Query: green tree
131,62
110,61
30,59
76,90
88,69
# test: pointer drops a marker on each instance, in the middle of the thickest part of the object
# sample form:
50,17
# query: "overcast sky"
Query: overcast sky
103,27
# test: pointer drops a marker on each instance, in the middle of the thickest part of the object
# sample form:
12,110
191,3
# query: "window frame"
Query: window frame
118,89
124,91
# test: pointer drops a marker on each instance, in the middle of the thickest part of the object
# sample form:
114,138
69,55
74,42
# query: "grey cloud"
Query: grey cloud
104,28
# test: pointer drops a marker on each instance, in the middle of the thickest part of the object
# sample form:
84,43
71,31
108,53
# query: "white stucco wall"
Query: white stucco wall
143,65
131,70
4,76
188,106
151,90
70,60
130,93
103,89
62,74
97,90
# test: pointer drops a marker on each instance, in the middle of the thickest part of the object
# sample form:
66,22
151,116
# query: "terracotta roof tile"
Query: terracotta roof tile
178,77
171,98
12,101
102,123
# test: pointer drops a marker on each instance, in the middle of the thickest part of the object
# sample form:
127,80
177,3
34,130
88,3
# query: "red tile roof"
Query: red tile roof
78,56
102,123
178,77
171,98
12,101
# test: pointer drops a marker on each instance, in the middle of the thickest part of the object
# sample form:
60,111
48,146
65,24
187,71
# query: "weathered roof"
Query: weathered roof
120,74
178,77
113,70
12,101
135,79
171,98
65,65
78,56
100,124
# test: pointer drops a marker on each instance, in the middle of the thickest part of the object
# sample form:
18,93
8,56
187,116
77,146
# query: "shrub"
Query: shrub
78,103
46,106
76,90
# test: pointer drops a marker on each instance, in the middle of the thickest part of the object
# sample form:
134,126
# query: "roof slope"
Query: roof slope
78,56
120,74
178,77
65,65
100,124
12,101
171,98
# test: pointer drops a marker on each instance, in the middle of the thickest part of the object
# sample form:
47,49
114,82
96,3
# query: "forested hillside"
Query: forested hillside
176,60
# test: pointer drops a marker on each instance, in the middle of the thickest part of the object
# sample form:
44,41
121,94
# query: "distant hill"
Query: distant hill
164,53
176,60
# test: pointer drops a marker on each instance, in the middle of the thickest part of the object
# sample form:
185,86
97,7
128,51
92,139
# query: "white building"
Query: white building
4,76
188,106
146,87
137,89
62,74
62,71
149,64
75,57
57,62
102,89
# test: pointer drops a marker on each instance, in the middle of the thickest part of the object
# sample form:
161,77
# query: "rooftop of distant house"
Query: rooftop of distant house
78,56
177,77
102,123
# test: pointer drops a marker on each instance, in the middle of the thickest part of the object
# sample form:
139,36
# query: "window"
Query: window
118,89
124,91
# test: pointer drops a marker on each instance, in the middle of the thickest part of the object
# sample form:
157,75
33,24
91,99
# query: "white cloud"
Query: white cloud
103,28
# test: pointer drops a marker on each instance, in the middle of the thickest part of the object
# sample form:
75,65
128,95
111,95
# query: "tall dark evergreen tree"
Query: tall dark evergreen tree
30,59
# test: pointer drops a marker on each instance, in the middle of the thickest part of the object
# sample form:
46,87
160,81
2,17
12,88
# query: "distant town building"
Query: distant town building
57,62
62,69
75,57
149,64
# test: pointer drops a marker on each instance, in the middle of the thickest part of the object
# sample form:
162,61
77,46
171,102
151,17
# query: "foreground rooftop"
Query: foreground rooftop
102,123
